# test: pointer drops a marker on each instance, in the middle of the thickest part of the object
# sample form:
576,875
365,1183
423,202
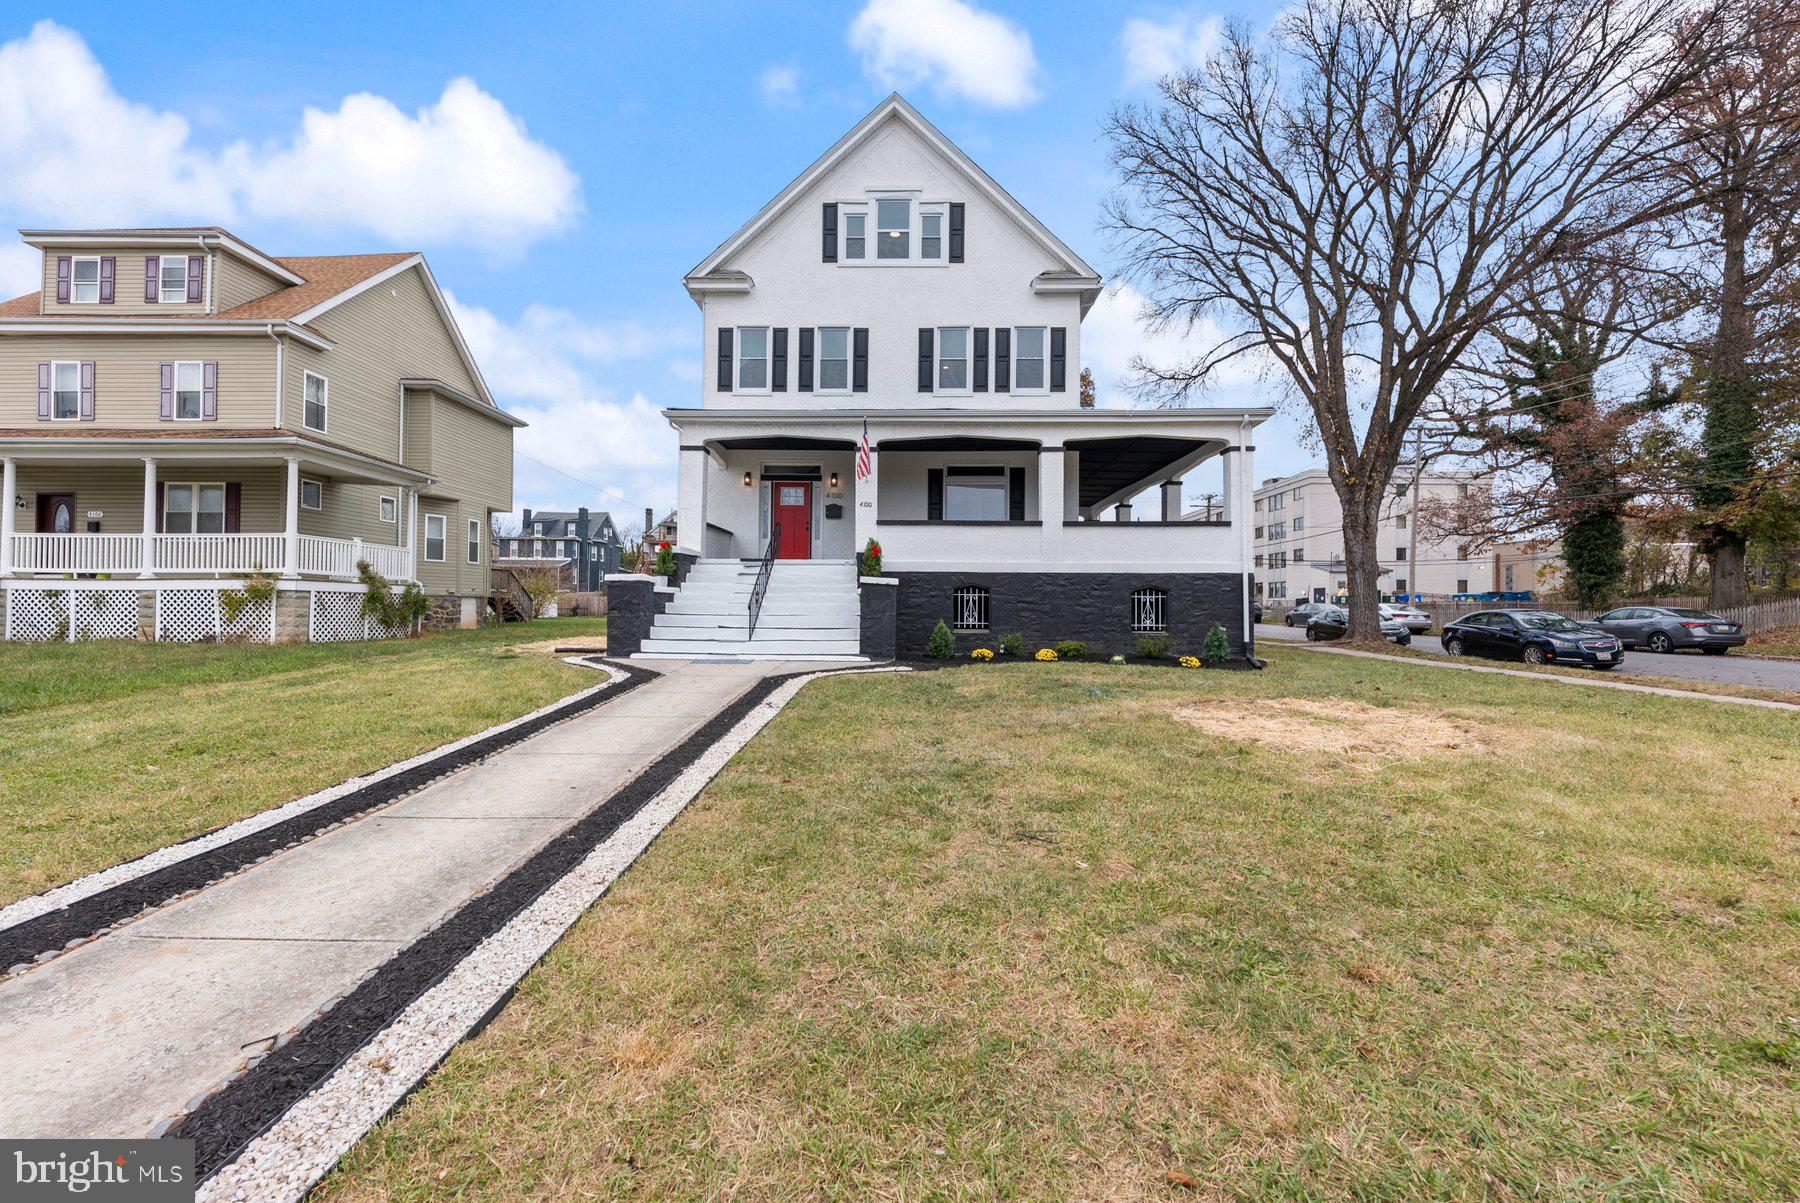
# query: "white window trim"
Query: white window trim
318,484
968,358
76,261
868,206
162,281
443,539
474,548
737,362
324,401
387,510
195,485
73,363
175,393
849,361
1013,364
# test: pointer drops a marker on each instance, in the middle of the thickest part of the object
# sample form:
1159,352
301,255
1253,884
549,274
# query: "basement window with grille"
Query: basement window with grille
969,608
1149,611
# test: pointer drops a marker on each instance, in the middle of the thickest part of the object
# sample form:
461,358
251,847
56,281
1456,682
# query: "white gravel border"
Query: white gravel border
83,887
303,1145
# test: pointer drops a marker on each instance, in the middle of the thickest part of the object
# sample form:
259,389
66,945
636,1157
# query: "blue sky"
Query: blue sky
579,158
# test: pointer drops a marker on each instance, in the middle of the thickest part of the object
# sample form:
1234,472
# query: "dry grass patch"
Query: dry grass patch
1364,737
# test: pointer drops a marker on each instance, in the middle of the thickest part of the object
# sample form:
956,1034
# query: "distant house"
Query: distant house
662,532
586,540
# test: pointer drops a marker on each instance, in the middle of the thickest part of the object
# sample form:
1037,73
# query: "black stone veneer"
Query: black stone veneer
632,604
1049,607
878,605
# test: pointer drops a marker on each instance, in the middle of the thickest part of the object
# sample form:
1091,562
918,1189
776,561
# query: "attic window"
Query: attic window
171,272
87,280
893,229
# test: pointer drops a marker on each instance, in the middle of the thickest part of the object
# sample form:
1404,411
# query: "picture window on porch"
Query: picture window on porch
434,538
317,390
65,395
834,359
312,495
189,377
969,608
753,357
1030,348
193,509
953,359
86,279
975,495
172,275
1149,611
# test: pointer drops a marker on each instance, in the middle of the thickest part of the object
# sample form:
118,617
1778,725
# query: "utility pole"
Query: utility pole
1412,518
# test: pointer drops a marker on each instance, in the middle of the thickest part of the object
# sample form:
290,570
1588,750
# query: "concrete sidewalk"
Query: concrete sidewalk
111,1038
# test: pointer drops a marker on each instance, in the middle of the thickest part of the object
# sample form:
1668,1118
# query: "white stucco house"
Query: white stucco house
895,291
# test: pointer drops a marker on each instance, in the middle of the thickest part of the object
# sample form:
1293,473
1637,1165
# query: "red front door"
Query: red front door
55,513
793,510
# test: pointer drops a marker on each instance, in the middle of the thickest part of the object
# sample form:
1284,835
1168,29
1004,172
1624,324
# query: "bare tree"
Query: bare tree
540,583
1356,197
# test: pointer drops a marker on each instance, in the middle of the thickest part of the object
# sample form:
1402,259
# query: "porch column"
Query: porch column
690,505
9,488
1050,503
1171,501
405,518
868,492
1071,486
147,540
291,531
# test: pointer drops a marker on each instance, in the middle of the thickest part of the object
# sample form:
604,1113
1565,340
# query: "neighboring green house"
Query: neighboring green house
179,410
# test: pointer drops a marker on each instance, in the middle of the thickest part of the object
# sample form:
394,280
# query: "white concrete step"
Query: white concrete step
848,620
758,648
734,657
727,606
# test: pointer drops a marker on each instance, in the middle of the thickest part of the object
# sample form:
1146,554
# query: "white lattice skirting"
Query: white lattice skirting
338,617
178,612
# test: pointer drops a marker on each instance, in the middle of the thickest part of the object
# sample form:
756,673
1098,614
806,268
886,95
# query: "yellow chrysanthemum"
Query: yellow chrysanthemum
1045,653
981,653
1190,662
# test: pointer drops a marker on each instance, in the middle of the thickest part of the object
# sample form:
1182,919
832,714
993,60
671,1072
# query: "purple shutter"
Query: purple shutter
160,493
87,390
209,391
108,272
234,506
165,396
195,265
65,269
43,392
152,277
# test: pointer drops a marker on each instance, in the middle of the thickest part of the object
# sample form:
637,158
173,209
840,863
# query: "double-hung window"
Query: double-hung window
953,359
893,229
171,279
1030,347
753,357
85,280
834,359
975,494
189,375
931,235
434,538
856,225
194,509
474,541
316,390
65,390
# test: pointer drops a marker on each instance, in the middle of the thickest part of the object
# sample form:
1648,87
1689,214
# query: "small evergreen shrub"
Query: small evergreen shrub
665,559
1153,647
1071,649
868,560
943,643
1012,645
1215,650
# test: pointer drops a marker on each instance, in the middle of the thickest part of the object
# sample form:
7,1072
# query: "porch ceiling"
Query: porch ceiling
958,443
1109,467
783,443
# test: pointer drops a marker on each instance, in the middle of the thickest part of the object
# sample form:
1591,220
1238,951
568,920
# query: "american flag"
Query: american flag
865,463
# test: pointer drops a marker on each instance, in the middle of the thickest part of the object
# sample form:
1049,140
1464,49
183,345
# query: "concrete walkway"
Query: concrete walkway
111,1038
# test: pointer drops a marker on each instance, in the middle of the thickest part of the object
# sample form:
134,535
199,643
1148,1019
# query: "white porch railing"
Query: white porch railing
204,555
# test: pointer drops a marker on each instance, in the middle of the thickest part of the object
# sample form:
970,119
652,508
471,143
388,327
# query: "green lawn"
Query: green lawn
115,749
1341,929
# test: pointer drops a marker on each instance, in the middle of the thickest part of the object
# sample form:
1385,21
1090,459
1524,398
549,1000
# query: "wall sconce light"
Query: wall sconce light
746,479
834,480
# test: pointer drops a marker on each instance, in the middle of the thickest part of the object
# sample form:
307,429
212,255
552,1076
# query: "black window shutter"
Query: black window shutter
934,494
925,354
1003,359
1015,494
830,234
778,362
806,357
981,356
1059,344
724,359
956,233
859,360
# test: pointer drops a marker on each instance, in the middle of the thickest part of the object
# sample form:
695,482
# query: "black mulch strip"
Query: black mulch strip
96,912
236,1114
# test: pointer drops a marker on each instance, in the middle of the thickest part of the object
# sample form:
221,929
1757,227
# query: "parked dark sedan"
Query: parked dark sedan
1333,622
1303,613
1669,628
1534,636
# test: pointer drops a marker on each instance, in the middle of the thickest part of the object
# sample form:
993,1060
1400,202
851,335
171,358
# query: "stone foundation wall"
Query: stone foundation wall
442,613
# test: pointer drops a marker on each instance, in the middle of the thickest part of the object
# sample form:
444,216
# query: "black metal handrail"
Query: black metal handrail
762,579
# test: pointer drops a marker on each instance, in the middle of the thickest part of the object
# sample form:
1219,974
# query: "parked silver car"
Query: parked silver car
1410,617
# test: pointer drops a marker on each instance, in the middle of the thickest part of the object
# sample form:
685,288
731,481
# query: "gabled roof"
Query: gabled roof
896,108
203,238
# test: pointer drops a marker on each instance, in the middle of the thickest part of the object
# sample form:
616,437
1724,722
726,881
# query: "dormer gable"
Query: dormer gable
171,272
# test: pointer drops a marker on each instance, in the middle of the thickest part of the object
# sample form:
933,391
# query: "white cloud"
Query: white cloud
20,268
957,48
548,368
780,85
1155,48
463,170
